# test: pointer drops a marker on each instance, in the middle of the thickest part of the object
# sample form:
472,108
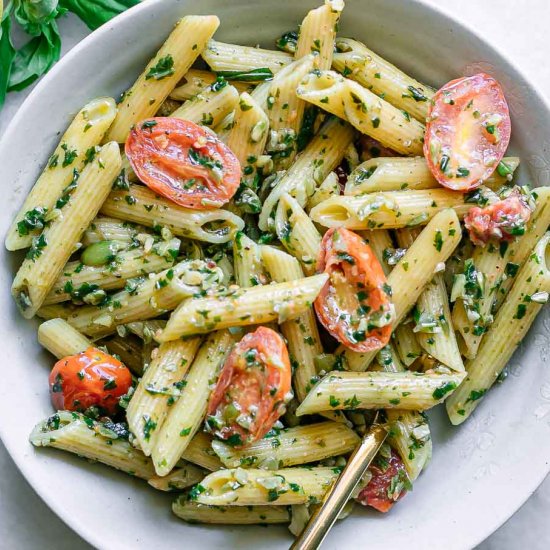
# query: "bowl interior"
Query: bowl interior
480,472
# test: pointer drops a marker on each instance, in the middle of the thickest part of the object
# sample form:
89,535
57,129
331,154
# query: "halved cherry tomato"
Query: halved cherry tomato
388,484
253,389
183,162
354,305
87,379
503,220
467,132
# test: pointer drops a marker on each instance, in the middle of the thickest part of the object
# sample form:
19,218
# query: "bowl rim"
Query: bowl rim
80,527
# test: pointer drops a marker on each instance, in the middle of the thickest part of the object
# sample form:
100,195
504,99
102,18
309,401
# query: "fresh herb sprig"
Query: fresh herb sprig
21,67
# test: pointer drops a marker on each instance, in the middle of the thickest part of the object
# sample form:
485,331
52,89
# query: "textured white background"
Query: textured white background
520,30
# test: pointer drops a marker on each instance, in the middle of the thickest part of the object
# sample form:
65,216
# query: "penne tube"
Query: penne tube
127,264
312,165
141,205
147,299
242,306
247,138
413,272
364,110
55,311
517,313
297,233
211,106
75,149
195,81
402,173
318,31
194,512
406,344
187,414
247,259
78,434
434,327
163,72
77,207
389,210
340,390
436,334
61,339
492,271
112,229
409,434
239,487
222,57
291,447
199,451
178,479
328,188
159,389
301,333
285,111
354,59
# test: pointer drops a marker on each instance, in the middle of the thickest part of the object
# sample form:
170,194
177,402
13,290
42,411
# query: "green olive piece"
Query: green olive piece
100,253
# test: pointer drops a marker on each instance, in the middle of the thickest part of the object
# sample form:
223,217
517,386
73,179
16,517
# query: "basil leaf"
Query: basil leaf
94,14
7,53
32,15
35,58
255,75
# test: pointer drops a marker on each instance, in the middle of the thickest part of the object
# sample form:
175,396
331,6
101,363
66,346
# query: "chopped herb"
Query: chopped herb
163,68
440,392
254,75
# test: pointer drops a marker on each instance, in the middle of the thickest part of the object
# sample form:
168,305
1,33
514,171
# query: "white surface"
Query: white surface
521,35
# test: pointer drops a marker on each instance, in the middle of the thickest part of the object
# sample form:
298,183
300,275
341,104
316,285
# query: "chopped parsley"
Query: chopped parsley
163,68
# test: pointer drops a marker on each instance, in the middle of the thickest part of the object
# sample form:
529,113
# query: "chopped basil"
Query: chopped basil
163,68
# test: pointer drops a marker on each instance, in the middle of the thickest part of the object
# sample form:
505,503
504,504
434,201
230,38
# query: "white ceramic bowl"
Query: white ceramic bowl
480,473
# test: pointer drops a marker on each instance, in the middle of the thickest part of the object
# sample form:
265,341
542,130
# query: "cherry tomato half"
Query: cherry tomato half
503,220
467,132
183,162
354,305
388,484
253,389
90,378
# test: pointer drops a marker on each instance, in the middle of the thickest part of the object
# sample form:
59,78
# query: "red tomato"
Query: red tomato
354,305
87,379
468,131
502,220
183,162
252,390
388,484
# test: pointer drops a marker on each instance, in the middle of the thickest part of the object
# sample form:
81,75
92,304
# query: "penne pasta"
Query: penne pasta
354,59
78,434
141,205
210,106
199,451
146,299
400,174
318,31
379,390
297,233
159,389
196,81
194,512
301,333
261,487
291,447
163,72
187,414
61,339
524,301
77,207
227,58
178,479
389,210
76,149
364,110
242,306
